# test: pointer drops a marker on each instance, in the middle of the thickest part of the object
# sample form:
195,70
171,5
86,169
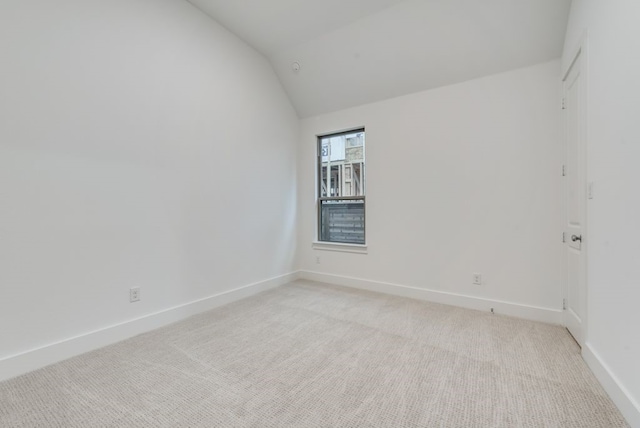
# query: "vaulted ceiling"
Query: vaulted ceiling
353,52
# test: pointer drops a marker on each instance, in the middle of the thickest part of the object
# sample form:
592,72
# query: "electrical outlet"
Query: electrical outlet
134,294
477,279
318,260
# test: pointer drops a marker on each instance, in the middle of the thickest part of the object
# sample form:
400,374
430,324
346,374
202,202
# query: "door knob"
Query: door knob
575,238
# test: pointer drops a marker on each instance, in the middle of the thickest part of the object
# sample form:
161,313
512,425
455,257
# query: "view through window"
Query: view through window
341,202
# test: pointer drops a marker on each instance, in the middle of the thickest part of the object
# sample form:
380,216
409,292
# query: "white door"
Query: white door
575,293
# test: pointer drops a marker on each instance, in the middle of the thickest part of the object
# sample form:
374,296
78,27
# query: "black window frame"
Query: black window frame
335,199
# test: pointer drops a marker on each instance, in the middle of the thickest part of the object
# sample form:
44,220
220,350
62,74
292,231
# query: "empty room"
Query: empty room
303,213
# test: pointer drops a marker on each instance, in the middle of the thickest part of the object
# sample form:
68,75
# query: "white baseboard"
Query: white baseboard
25,362
618,393
547,315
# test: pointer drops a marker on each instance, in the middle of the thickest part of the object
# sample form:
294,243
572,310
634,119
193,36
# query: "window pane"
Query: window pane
342,221
324,184
335,181
343,156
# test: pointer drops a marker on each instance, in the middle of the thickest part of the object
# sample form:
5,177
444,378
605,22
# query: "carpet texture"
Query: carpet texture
313,355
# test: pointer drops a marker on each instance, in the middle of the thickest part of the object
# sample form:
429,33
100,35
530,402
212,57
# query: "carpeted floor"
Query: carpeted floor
312,355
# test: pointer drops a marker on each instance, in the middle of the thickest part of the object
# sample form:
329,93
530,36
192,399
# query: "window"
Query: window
341,188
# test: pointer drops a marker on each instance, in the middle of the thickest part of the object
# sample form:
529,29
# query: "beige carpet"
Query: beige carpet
312,355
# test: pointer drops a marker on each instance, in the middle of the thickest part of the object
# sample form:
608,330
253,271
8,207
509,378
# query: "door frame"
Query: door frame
581,50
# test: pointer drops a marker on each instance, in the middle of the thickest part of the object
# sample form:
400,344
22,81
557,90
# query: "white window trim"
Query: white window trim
341,247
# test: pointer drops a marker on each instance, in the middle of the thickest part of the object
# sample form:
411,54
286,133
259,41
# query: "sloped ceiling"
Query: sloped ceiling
353,52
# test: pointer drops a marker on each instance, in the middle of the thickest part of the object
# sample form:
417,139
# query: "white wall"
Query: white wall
613,43
141,144
461,179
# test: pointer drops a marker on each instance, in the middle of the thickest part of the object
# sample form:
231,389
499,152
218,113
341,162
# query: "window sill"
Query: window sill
337,246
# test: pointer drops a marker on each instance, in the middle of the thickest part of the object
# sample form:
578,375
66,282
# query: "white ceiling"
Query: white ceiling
353,52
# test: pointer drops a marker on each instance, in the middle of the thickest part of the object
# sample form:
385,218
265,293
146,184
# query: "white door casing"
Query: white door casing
575,278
